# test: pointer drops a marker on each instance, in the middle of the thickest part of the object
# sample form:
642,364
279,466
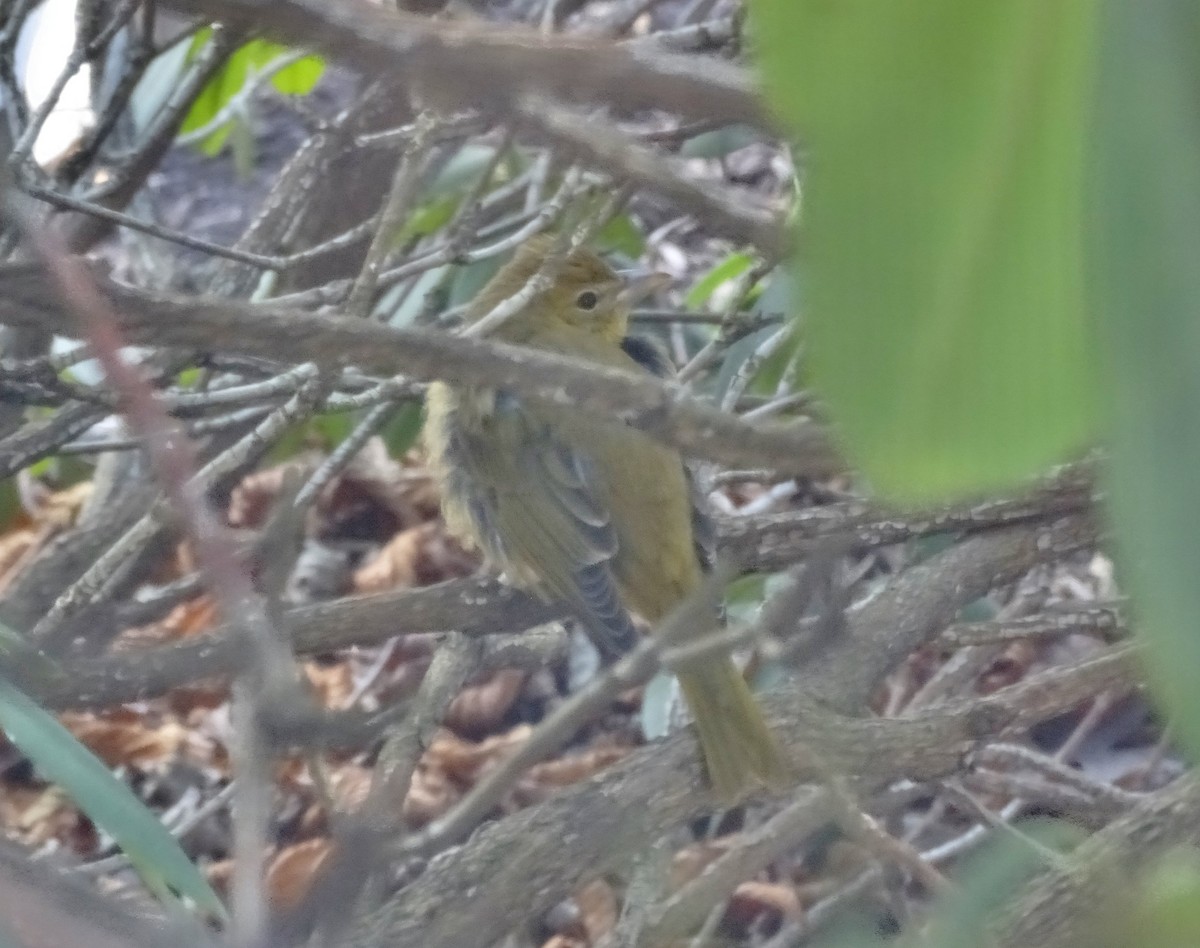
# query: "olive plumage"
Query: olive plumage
590,512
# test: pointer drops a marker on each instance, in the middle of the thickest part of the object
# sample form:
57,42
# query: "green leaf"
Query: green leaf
744,597
403,429
736,356
1166,913
1146,288
621,235
295,79
942,229
300,77
108,802
333,427
990,877
428,218
405,307
728,269
469,280
10,502
462,170
243,145
220,88
720,141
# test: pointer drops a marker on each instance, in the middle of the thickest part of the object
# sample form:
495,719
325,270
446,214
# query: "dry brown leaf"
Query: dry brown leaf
47,513
1009,668
250,502
187,619
61,508
292,870
430,794
13,549
194,703
417,556
123,738
394,566
481,706
403,487
450,766
547,778
464,761
350,785
219,874
38,814
598,909
752,900
692,860
333,684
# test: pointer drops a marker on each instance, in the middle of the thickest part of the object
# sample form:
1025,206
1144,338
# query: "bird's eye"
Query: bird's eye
587,300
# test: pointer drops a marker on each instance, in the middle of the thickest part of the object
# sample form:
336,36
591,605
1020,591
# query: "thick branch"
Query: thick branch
459,604
1063,907
147,318
924,600
519,866
482,608
483,65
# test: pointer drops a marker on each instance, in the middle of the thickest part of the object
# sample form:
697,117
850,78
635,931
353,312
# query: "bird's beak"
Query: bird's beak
637,284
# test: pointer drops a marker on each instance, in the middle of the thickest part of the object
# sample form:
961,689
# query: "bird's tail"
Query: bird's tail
740,751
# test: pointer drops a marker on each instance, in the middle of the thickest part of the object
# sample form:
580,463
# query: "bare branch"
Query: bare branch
296,336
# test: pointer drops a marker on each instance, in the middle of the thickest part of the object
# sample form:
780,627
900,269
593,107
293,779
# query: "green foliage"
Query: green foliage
469,280
403,429
941,216
297,78
719,142
992,877
736,356
1146,290
444,194
1166,908
108,802
621,235
732,267
10,502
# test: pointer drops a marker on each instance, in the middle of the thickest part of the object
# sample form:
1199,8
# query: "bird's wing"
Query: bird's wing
650,356
536,508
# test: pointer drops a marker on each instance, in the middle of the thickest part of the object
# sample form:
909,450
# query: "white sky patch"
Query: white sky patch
45,46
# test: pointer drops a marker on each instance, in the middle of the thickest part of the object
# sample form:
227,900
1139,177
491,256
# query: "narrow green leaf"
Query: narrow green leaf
990,877
301,77
402,431
720,141
403,307
621,235
1166,908
10,502
428,218
470,280
1146,194
296,79
942,229
332,427
220,89
107,801
736,356
462,170
728,269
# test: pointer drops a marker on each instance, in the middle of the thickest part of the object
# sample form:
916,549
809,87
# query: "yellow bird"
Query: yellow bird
591,513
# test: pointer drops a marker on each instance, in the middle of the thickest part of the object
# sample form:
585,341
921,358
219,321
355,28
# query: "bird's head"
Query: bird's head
587,292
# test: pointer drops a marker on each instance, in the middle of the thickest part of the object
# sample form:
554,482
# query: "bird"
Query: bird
593,514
